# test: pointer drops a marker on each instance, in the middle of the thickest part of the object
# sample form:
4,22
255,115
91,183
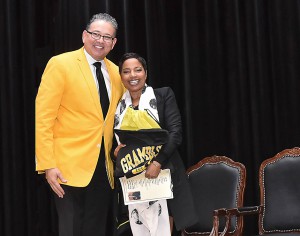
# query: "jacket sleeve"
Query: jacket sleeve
47,105
170,120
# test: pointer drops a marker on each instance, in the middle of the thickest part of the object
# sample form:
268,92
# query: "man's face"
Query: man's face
99,48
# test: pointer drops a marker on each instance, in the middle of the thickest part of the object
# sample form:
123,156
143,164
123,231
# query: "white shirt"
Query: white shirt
91,61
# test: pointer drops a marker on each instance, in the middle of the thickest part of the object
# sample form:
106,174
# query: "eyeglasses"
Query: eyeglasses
97,36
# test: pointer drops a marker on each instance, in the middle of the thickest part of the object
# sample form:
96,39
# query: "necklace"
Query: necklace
135,107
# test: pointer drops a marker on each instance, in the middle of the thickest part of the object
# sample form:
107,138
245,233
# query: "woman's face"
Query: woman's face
133,75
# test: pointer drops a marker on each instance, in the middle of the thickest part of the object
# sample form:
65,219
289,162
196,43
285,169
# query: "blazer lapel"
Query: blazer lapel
112,77
88,76
160,107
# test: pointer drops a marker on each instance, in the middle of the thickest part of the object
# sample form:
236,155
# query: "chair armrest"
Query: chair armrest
241,211
238,212
222,212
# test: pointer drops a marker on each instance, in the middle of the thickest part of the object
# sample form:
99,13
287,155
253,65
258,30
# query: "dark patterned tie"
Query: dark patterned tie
102,89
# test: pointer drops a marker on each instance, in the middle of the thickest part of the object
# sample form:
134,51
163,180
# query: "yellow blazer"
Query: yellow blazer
69,119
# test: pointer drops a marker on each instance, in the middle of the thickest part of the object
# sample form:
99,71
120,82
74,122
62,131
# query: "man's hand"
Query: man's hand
52,175
121,145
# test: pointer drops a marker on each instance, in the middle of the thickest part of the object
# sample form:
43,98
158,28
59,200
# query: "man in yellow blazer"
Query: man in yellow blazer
73,136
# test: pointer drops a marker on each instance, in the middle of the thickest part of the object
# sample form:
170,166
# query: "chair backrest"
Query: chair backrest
216,182
279,180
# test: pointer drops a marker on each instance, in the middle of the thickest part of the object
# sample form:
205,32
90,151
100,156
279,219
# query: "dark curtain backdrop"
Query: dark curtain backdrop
234,66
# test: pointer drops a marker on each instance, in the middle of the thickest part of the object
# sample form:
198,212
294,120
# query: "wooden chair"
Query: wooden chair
217,183
279,182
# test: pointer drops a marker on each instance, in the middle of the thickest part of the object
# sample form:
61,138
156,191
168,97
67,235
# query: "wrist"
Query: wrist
157,164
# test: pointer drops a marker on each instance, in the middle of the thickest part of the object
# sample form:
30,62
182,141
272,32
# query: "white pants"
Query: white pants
149,218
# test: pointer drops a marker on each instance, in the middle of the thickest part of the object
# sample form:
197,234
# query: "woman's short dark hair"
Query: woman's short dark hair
130,55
